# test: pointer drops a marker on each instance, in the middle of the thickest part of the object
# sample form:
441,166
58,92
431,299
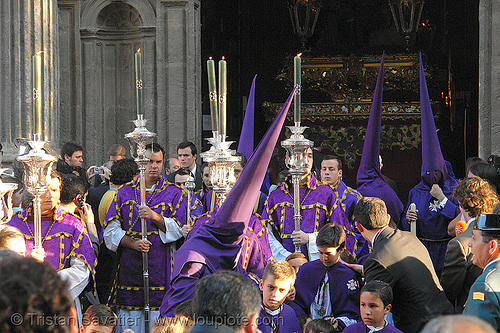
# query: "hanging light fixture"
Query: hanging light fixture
304,15
406,15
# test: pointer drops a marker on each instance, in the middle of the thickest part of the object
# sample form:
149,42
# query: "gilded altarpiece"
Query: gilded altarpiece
336,102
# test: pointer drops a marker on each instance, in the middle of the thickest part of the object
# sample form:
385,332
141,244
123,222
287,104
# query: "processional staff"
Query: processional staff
140,136
297,146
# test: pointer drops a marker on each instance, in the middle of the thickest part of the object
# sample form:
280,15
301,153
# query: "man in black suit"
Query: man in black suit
401,260
186,154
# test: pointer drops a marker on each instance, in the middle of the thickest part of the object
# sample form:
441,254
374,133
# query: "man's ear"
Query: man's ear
340,174
494,247
251,325
387,309
261,285
359,226
66,158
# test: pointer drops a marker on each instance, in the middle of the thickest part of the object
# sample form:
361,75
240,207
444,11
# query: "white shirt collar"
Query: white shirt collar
378,232
491,262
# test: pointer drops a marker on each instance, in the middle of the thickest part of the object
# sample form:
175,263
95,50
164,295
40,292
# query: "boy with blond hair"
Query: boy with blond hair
277,282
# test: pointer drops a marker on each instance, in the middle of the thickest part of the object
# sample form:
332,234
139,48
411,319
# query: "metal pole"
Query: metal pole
145,262
296,206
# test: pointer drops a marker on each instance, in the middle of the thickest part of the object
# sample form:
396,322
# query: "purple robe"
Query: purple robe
285,321
349,197
361,328
344,289
166,200
197,203
432,221
63,235
319,206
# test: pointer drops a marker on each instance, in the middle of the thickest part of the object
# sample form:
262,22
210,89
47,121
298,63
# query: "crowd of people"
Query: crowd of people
123,249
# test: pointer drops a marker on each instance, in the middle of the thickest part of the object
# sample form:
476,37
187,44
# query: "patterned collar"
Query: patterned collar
311,183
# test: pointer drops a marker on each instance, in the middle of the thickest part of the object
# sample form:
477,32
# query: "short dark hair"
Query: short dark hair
487,172
331,235
187,144
371,213
182,172
226,298
32,289
333,157
319,326
72,186
243,161
471,161
69,148
203,166
155,147
99,315
380,289
123,171
185,308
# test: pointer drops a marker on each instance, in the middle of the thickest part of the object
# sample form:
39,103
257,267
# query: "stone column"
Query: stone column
27,27
489,78
178,73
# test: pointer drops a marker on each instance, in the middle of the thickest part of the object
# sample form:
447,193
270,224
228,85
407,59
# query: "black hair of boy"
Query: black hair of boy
331,235
99,315
319,326
380,289
72,186
280,270
123,171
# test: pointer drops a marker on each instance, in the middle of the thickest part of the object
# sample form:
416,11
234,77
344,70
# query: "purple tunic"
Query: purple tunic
432,221
63,235
318,205
344,286
166,200
285,321
361,328
197,203
349,197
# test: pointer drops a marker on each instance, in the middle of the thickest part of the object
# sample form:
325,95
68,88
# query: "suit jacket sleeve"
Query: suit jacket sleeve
454,270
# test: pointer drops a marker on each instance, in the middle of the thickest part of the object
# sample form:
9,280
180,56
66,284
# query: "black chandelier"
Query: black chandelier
304,15
406,15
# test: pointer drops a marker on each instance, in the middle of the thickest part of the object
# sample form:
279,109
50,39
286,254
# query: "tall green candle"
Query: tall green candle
138,81
222,95
297,81
212,91
37,91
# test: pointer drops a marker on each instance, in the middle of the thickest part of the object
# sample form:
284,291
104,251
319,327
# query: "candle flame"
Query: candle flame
39,53
139,50
209,58
299,54
223,57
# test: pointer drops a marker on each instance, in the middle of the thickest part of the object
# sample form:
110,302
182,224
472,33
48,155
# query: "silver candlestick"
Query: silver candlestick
296,150
190,186
37,167
221,161
139,138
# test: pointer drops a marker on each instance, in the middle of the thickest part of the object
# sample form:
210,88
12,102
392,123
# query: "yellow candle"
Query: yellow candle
212,91
37,91
222,96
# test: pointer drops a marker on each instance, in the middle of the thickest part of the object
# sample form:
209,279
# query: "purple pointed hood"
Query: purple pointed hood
245,145
370,181
432,157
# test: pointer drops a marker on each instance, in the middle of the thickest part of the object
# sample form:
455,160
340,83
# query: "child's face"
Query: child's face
329,255
274,291
93,328
372,309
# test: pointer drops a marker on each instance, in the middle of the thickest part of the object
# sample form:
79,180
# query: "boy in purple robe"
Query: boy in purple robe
375,303
214,246
165,214
370,180
64,239
275,316
331,173
433,195
326,288
318,206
